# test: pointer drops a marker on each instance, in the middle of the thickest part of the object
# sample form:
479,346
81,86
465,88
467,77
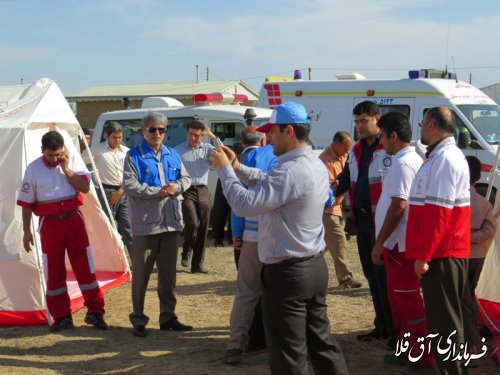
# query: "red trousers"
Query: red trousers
57,236
407,305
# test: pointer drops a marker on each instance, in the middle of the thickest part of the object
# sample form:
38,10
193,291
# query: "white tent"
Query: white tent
26,113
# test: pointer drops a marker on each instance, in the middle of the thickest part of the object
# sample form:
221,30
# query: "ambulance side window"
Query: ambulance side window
394,108
463,137
228,132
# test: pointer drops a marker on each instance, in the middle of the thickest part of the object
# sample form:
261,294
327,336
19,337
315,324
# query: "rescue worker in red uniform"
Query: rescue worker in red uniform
51,189
438,235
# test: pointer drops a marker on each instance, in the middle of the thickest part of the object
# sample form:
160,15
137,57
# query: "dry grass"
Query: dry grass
204,301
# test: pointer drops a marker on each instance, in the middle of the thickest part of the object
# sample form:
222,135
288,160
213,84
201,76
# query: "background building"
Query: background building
493,91
89,104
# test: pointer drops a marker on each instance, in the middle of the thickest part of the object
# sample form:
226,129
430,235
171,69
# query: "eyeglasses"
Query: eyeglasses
153,130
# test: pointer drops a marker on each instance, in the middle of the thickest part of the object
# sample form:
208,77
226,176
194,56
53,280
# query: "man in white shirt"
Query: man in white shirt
109,157
403,286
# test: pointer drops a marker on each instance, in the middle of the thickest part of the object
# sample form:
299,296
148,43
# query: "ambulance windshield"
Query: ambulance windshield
486,119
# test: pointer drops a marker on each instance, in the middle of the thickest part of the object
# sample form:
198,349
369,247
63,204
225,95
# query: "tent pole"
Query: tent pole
95,173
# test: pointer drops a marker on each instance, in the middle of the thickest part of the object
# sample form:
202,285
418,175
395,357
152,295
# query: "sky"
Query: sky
82,44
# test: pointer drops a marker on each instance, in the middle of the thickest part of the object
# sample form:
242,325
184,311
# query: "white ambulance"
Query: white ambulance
221,112
330,105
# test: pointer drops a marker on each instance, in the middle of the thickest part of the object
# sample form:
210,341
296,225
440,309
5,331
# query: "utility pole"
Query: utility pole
197,71
470,78
309,69
208,73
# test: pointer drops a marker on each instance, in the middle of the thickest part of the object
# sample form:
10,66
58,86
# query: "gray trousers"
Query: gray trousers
248,293
146,251
337,245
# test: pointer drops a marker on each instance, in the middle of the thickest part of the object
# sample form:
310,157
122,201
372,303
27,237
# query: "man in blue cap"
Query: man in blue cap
289,200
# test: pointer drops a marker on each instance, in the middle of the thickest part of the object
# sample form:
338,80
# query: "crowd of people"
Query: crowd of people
422,231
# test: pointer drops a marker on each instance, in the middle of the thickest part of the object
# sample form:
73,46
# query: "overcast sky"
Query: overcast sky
81,44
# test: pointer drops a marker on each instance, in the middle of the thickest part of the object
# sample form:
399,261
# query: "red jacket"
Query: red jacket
439,211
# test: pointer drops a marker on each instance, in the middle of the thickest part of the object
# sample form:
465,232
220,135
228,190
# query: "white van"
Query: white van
220,112
330,105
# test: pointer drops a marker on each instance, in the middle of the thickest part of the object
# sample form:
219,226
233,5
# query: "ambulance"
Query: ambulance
221,112
330,103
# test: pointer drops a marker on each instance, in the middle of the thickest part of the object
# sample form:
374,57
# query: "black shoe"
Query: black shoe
372,335
185,261
175,325
199,269
140,331
391,359
218,243
233,356
96,320
391,343
62,323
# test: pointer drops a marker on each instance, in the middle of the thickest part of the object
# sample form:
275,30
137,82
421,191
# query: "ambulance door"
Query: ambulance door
387,104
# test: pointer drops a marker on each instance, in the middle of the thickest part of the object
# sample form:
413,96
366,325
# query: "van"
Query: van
220,112
330,103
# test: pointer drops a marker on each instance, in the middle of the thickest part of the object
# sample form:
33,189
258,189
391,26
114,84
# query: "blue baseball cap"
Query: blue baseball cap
287,113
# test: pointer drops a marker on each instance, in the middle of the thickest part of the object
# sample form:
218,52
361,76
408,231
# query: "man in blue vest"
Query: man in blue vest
154,180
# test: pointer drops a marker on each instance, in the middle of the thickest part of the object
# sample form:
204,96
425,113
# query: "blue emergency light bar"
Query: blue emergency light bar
431,73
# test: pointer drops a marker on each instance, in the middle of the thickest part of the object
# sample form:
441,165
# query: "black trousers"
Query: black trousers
469,303
221,214
376,276
196,215
295,319
443,287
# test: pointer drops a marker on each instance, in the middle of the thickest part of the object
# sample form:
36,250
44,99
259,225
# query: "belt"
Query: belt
62,216
197,186
363,210
115,187
296,260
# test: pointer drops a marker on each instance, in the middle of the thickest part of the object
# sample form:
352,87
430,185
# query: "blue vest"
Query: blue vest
146,163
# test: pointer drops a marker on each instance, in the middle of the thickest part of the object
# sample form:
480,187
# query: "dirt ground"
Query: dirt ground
205,302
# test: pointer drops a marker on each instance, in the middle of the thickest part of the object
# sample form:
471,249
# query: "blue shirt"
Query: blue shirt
290,200
195,161
264,159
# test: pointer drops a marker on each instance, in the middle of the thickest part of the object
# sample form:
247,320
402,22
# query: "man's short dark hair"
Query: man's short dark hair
301,131
341,137
367,107
86,131
396,122
474,168
52,141
443,117
195,124
113,127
